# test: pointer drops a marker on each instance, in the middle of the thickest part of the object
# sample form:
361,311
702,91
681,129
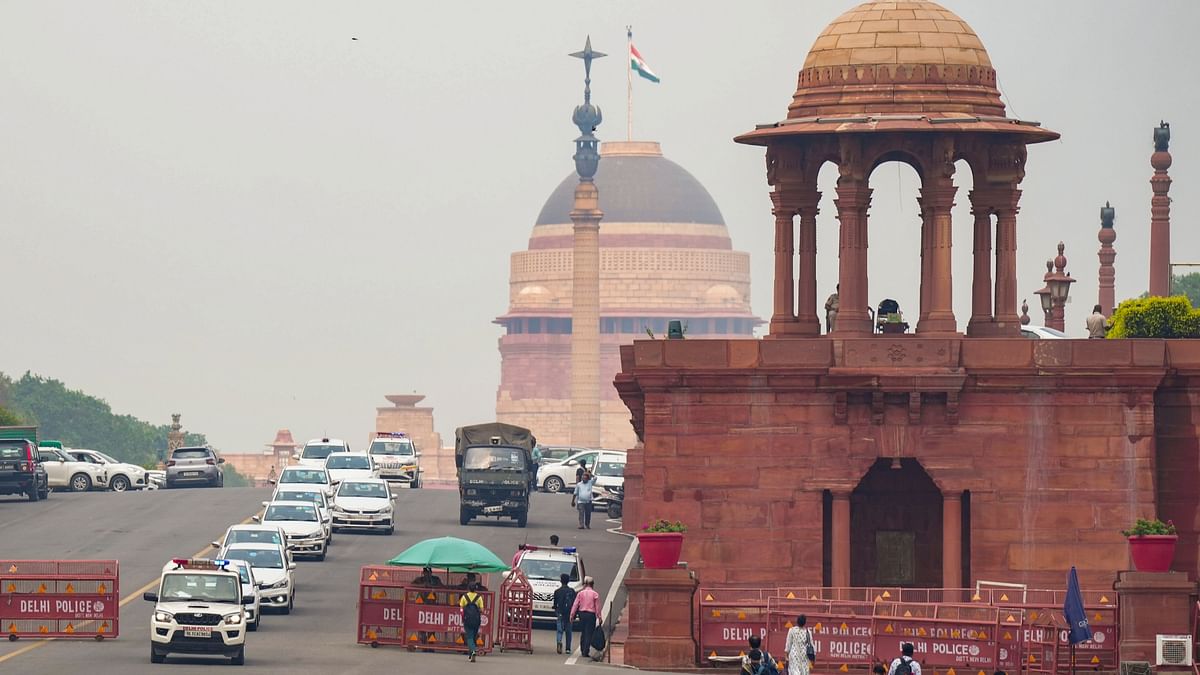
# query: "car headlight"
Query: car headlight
278,584
163,617
234,619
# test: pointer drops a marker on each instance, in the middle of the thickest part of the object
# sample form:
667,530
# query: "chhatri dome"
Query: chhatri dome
665,254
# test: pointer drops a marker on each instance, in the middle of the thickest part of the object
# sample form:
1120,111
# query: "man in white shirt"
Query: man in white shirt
906,657
582,499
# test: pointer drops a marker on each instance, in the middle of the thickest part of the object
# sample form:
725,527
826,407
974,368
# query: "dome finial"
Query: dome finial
587,117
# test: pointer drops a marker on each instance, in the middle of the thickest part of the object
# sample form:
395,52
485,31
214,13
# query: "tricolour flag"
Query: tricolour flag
638,64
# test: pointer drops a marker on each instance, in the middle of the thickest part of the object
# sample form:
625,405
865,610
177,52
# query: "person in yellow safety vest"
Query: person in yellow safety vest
471,604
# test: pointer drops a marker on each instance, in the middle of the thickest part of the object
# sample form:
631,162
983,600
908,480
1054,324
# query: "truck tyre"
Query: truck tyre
523,517
80,483
554,484
119,483
464,515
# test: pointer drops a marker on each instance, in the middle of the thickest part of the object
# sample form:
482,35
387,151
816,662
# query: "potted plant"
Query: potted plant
661,542
1152,545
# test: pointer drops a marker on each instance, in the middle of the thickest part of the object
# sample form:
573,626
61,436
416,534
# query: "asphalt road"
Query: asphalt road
142,530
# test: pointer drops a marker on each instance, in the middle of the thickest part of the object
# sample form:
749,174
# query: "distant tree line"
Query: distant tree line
83,421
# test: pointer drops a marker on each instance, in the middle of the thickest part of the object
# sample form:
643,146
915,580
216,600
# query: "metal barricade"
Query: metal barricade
727,618
841,629
392,609
60,598
516,613
963,637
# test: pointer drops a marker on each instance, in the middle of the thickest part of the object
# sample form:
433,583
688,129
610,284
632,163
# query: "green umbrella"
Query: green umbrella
451,554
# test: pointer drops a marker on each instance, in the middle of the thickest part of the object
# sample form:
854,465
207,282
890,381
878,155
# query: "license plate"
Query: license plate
191,473
197,632
493,509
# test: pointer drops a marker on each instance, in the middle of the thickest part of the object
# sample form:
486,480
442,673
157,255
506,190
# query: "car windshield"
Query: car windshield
320,451
190,453
301,496
106,457
243,573
612,469
303,476
493,459
392,448
258,557
254,537
289,512
349,462
210,587
353,489
549,569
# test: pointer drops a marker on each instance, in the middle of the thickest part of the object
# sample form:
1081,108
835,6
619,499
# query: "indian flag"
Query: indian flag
638,64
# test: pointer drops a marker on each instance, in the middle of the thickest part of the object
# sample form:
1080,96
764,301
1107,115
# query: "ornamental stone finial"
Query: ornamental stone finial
1162,137
587,117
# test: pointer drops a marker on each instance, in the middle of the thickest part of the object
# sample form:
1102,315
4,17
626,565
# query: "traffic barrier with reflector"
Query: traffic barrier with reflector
60,599
393,610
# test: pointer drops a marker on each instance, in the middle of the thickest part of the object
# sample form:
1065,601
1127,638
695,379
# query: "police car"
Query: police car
199,609
544,566
396,458
276,576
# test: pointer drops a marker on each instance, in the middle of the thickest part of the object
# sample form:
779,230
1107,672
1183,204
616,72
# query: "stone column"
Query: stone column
853,200
839,565
1160,214
952,540
926,234
937,200
981,278
660,619
783,318
1152,603
808,323
1107,297
1006,320
585,317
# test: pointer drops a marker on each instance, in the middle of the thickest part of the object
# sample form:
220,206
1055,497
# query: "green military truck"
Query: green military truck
496,471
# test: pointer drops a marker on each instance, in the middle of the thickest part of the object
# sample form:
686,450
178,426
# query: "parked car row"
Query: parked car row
607,465
36,470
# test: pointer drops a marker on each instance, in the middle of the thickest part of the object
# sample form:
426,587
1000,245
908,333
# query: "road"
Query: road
142,530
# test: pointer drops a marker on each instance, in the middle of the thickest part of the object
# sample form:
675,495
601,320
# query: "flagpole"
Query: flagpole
629,84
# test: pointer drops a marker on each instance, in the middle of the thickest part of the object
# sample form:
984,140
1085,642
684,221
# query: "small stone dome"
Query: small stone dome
722,294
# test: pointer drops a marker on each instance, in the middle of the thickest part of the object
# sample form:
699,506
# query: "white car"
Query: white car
276,576
316,478
610,472
315,451
64,471
346,465
1043,333
253,534
364,504
544,566
559,476
288,493
397,458
302,523
198,609
122,476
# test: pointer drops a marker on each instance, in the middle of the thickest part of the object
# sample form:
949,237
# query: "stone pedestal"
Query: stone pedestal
660,619
1152,603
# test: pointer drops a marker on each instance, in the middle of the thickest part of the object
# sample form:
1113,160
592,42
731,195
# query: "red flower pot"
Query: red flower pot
660,550
1153,552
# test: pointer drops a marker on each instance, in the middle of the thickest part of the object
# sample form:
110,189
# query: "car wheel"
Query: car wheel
156,656
239,658
554,484
288,608
81,483
464,515
390,530
321,558
253,627
33,493
523,518
119,484
44,493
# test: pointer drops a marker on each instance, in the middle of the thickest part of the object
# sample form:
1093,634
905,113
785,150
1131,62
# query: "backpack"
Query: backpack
471,615
904,667
568,599
767,666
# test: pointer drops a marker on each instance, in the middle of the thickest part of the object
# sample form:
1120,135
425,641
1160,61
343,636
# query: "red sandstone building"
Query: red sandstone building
957,453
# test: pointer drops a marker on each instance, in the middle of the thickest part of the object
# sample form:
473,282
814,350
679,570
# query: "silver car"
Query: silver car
194,466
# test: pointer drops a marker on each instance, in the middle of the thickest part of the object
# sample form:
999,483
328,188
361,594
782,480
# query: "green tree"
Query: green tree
1155,317
233,478
9,418
1187,284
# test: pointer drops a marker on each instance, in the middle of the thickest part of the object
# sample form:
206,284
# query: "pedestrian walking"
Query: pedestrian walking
799,647
905,664
587,608
564,600
471,604
582,499
1097,324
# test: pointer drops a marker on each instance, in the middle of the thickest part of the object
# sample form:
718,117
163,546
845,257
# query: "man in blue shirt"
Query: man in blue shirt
582,499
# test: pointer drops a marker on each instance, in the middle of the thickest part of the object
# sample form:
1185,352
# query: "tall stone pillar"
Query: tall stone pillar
1007,322
174,436
981,277
853,200
937,200
839,564
1108,275
952,540
783,317
806,288
1160,214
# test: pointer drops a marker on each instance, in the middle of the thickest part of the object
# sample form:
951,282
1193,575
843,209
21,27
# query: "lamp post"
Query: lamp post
1043,294
1058,282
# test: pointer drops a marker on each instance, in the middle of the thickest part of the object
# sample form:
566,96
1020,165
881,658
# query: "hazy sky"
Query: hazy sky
234,211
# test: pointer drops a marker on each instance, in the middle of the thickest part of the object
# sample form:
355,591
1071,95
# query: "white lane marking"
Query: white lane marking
612,589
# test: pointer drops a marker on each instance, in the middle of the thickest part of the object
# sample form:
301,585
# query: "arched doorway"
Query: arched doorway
896,526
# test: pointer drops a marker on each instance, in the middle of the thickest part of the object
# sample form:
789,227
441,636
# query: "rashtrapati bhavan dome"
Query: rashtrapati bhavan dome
665,254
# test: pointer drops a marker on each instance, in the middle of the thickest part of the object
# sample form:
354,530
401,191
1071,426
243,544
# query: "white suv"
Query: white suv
198,610
544,566
316,450
397,458
559,476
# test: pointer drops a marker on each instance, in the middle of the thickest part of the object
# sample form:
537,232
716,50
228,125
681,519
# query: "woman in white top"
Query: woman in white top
799,639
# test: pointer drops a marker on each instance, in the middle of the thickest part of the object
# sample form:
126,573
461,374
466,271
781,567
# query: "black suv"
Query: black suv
194,466
21,470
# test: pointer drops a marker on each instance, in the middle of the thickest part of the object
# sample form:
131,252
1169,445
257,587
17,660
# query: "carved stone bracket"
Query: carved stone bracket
914,407
877,406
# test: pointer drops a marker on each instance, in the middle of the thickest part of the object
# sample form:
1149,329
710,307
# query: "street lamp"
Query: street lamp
1058,284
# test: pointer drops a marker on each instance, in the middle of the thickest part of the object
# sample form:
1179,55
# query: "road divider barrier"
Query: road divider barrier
393,609
59,599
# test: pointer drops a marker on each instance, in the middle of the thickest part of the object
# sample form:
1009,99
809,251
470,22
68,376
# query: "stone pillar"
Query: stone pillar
1006,320
1152,603
174,435
926,234
1108,275
853,200
808,324
783,317
1160,214
952,540
660,619
585,317
936,268
981,278
839,567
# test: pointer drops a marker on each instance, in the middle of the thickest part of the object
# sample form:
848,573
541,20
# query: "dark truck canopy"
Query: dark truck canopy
492,433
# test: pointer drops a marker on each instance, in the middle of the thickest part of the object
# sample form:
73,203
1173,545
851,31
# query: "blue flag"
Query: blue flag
1073,610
